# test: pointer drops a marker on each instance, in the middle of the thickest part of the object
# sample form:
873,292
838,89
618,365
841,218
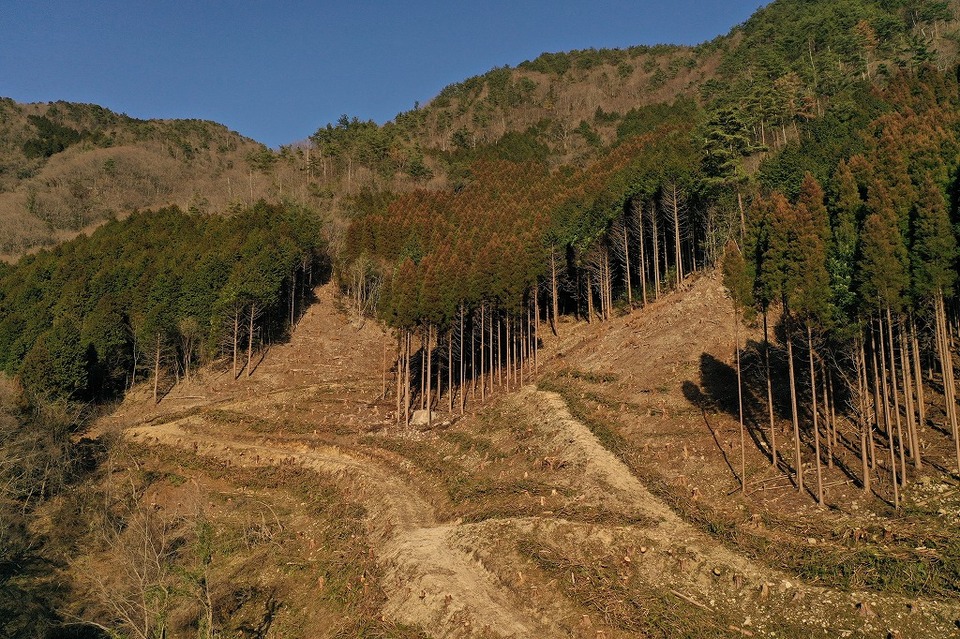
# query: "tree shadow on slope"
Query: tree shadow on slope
717,394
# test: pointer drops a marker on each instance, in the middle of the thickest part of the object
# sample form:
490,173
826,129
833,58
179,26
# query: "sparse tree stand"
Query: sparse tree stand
946,365
674,201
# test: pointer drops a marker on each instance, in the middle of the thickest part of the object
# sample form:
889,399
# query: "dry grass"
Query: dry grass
288,550
914,555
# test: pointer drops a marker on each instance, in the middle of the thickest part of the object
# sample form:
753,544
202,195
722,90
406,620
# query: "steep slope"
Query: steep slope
520,518
777,70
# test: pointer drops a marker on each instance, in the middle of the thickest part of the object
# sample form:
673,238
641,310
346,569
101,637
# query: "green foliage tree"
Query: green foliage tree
144,294
56,365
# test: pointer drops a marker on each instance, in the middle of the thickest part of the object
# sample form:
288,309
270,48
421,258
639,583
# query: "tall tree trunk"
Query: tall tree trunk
656,250
293,297
526,352
589,298
136,359
535,336
236,339
253,313
535,330
604,283
907,381
888,419
827,411
766,361
383,367
607,284
439,373
473,353
187,356
491,344
878,416
793,410
816,425
508,351
626,264
743,219
864,418
156,372
834,422
463,377
450,372
896,398
483,375
643,259
503,352
946,364
693,247
675,205
429,356
399,380
520,349
554,320
423,374
921,406
407,398
743,439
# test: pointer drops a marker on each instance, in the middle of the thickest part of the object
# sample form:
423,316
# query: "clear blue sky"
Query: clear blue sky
276,71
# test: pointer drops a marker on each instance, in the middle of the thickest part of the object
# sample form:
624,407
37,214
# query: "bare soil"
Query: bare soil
601,500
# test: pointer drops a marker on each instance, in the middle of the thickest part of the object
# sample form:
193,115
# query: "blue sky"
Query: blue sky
276,71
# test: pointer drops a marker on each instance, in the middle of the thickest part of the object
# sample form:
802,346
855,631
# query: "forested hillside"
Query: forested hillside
155,295
473,271
810,159
67,167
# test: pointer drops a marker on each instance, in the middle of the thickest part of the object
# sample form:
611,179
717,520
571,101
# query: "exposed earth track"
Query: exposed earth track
459,579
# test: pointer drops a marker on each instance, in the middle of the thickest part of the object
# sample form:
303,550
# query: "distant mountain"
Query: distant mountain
67,167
